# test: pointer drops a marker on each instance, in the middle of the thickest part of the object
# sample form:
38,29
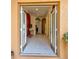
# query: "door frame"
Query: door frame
46,4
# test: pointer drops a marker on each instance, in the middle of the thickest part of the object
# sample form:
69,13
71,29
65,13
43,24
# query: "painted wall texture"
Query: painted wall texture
15,42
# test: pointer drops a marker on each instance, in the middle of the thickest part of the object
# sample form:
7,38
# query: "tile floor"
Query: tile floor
38,46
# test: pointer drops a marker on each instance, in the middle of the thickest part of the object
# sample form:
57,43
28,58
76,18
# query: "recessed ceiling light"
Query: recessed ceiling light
36,9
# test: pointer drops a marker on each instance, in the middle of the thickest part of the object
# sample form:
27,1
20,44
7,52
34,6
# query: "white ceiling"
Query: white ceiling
37,10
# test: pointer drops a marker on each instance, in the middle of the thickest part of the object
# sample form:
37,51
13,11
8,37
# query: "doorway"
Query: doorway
40,45
28,23
43,25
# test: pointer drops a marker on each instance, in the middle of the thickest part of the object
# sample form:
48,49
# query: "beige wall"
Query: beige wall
63,26
47,25
33,23
15,40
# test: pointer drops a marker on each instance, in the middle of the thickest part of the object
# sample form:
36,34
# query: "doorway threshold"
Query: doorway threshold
38,54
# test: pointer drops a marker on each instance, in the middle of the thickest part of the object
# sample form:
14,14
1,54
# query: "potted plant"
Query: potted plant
65,37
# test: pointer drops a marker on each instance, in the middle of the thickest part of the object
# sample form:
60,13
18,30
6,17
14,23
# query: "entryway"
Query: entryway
38,30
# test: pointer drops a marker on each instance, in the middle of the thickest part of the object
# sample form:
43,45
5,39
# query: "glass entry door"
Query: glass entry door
53,29
23,27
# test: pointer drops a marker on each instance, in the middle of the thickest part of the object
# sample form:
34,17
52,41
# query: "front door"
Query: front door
53,29
23,31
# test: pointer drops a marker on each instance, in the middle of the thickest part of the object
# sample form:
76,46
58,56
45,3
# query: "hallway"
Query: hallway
38,24
38,45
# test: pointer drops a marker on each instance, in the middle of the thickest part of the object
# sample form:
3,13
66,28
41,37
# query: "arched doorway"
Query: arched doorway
43,25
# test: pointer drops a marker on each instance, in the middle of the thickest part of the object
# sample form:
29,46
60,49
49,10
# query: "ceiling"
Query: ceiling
37,10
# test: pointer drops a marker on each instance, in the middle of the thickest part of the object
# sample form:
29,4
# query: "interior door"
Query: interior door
23,28
53,29
28,23
43,25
